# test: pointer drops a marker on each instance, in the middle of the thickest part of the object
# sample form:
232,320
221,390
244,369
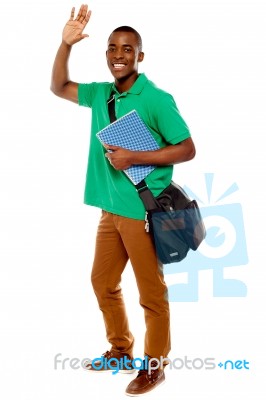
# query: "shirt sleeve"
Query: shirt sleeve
86,94
171,125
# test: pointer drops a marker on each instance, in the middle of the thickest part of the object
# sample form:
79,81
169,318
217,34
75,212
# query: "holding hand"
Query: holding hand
72,32
119,157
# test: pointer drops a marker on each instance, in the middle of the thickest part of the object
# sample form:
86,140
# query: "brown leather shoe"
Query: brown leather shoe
145,381
112,361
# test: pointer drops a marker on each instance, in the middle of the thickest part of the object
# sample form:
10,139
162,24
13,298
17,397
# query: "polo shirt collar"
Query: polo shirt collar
138,85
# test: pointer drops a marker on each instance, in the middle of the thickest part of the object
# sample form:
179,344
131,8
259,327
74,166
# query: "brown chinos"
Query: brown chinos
118,240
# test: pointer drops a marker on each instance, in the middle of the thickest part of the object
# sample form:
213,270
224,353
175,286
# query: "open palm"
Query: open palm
73,29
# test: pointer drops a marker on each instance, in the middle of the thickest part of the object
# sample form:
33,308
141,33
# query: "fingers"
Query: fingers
84,36
83,14
108,156
87,17
111,147
72,14
80,13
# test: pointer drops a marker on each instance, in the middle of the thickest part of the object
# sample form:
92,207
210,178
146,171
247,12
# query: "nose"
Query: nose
118,54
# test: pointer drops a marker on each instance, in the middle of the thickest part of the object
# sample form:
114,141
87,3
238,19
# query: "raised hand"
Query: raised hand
73,29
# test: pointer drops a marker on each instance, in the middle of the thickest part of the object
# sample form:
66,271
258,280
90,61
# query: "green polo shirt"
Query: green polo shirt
107,188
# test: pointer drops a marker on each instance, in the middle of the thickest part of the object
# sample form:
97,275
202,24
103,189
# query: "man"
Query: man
121,235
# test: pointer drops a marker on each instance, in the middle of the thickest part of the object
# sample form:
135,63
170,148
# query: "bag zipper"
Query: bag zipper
147,225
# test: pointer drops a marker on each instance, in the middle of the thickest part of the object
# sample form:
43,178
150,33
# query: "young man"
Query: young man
121,235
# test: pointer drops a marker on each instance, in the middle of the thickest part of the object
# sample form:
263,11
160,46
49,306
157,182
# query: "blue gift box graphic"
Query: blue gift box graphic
224,247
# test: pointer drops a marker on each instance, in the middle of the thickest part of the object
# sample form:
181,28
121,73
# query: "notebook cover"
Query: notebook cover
131,133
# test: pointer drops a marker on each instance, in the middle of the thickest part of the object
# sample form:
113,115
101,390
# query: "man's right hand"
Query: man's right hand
72,32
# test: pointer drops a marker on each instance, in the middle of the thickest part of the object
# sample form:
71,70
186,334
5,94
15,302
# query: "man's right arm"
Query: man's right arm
61,85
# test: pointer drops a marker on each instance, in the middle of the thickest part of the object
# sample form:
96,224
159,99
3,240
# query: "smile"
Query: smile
118,65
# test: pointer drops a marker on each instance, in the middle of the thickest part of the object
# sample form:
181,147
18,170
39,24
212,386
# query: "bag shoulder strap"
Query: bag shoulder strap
111,107
149,201
144,192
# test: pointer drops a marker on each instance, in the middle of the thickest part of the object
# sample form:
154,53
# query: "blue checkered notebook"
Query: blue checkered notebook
131,133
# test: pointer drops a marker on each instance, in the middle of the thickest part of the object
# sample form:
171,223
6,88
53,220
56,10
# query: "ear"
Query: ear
140,56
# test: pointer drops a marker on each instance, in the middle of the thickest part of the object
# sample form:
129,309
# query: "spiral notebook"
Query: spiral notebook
131,133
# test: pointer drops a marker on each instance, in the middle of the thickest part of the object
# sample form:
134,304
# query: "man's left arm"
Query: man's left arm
121,158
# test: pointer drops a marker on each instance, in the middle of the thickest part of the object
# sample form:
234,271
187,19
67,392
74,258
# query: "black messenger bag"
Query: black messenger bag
173,220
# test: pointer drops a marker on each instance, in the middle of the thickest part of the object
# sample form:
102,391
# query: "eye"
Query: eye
128,50
111,49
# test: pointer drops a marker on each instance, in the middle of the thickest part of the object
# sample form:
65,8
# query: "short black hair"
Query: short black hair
126,28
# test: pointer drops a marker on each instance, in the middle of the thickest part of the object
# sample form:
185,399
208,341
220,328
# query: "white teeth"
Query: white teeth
119,65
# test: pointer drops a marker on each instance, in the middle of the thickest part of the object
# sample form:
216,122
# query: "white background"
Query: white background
211,56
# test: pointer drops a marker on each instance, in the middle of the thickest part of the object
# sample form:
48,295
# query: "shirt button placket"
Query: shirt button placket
117,106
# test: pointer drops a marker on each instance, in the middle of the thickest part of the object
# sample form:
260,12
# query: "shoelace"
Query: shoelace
107,354
146,372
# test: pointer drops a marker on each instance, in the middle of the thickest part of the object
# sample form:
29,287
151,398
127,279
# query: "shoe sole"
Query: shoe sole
146,393
126,371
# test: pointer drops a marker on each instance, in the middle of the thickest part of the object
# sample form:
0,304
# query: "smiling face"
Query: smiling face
123,55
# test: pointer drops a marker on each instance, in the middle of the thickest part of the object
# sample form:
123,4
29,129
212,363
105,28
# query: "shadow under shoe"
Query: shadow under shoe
112,361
